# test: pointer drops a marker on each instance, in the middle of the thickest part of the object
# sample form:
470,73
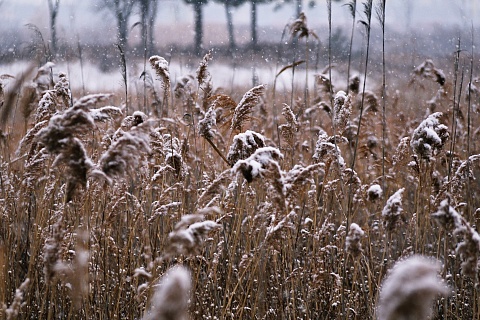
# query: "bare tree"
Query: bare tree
148,12
122,9
253,23
198,8
53,6
229,4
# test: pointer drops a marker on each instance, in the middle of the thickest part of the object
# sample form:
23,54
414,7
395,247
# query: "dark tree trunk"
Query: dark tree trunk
254,24
53,6
299,7
123,9
198,28
148,15
231,36
122,29
151,27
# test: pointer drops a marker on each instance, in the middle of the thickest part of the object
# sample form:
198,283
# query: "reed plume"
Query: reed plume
13,310
352,242
245,106
125,154
244,145
409,289
392,212
429,137
171,297
189,235
160,65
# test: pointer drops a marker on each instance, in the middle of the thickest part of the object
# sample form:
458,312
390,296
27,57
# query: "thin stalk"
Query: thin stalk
353,10
216,149
329,6
469,107
454,116
381,17
367,24
123,65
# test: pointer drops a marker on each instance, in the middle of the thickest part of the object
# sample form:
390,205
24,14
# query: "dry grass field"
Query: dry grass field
188,199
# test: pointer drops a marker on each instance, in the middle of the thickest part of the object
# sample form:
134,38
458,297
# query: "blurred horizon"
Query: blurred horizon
83,18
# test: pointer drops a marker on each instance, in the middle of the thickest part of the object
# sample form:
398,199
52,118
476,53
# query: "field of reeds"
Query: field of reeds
193,201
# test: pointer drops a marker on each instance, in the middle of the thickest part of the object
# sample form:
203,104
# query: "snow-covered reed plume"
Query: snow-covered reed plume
259,164
59,138
392,211
409,289
245,106
263,165
299,29
75,273
170,301
62,88
289,129
401,157
446,216
352,242
244,145
469,249
13,310
207,123
52,251
428,70
342,109
189,235
160,65
203,76
327,150
429,137
125,154
374,192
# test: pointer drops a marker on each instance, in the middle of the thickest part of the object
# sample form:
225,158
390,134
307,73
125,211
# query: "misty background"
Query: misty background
88,31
